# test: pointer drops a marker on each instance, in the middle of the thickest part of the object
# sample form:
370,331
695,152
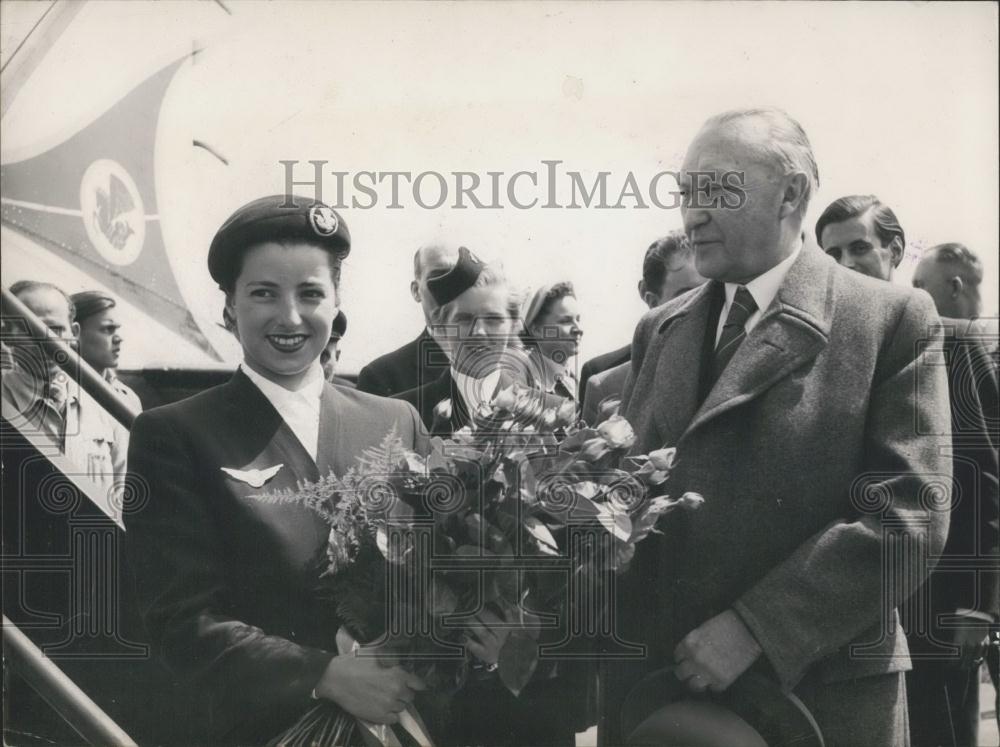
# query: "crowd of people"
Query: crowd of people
818,407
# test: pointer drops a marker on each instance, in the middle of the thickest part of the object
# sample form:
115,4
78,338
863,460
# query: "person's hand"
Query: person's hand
715,653
368,689
972,636
486,636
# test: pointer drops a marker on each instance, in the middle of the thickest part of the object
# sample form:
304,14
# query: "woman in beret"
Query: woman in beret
552,335
226,582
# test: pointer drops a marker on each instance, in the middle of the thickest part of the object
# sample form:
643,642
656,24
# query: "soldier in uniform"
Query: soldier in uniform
101,340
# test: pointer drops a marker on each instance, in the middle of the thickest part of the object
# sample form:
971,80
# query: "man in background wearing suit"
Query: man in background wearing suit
412,365
798,400
667,271
862,234
948,621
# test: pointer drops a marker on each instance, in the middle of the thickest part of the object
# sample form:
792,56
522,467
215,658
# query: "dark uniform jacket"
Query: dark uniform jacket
416,363
226,582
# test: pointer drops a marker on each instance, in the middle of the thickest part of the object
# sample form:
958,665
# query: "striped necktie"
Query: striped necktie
733,331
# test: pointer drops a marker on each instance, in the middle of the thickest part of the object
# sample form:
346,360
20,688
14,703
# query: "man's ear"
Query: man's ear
74,329
896,247
415,290
957,287
794,196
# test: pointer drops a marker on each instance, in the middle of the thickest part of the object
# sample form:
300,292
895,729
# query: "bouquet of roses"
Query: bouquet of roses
419,544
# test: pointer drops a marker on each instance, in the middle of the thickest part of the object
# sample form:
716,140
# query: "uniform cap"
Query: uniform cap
275,218
447,285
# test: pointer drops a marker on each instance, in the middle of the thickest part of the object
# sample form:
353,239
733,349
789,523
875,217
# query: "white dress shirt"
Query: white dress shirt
300,409
763,288
475,392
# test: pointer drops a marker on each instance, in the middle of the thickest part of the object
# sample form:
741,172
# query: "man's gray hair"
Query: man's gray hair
786,144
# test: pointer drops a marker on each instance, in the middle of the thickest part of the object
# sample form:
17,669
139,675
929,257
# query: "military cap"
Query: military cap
275,218
89,303
447,285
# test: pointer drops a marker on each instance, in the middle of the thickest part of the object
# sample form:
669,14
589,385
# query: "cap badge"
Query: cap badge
324,221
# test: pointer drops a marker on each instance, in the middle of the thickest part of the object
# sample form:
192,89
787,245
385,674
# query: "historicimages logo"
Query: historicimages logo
549,187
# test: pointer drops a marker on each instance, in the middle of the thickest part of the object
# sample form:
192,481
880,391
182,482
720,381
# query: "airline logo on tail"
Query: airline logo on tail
113,213
91,201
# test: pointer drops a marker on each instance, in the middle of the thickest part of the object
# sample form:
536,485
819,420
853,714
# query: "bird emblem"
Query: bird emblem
255,478
324,220
113,211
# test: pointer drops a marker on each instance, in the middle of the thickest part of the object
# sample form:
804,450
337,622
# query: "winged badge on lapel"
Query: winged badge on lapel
255,478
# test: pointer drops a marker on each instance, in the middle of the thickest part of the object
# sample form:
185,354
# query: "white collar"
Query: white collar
309,391
765,286
299,409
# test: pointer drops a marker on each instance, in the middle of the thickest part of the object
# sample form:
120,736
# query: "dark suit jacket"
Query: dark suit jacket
416,363
226,582
822,437
602,363
604,385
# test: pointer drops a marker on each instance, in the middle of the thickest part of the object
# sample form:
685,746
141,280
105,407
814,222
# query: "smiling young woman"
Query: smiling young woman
226,583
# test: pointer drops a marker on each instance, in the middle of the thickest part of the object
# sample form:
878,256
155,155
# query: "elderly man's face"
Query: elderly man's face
731,244
855,244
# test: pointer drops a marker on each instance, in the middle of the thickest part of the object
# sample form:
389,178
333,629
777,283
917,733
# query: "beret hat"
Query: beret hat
275,218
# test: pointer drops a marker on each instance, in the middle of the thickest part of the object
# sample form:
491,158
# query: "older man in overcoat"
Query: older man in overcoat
798,396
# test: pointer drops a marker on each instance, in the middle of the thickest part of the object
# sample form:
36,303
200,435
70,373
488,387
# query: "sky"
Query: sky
898,99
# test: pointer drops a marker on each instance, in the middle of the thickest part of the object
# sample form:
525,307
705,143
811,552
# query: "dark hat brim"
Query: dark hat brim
661,710
447,285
